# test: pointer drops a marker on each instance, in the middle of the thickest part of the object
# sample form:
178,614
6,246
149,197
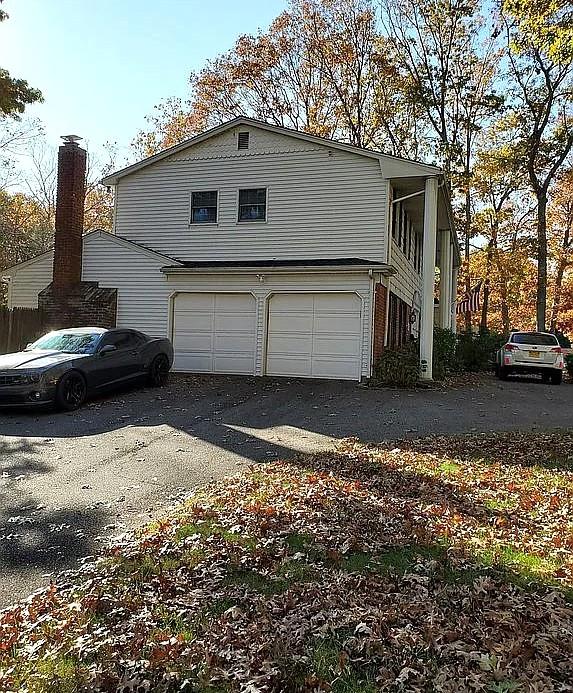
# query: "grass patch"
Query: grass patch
328,661
208,528
142,568
429,530
499,504
450,468
60,674
254,581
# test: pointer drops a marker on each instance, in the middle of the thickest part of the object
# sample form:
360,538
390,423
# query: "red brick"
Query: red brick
380,298
69,216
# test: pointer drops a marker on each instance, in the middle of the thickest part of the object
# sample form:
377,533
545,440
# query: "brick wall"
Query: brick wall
380,299
84,304
69,216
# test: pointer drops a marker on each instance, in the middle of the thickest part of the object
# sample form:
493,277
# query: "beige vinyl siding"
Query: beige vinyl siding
406,280
27,281
260,141
145,294
142,291
321,203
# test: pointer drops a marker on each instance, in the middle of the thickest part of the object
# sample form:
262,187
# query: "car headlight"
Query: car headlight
31,378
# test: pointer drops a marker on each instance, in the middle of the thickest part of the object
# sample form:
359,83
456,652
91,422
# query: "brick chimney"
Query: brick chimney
69,214
68,301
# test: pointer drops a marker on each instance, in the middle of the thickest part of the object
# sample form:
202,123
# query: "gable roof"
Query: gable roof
414,167
87,237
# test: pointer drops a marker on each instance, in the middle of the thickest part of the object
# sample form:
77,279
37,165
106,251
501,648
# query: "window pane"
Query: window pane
535,338
204,207
205,199
204,214
252,212
255,196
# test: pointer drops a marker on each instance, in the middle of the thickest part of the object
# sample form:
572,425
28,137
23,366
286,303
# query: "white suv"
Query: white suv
531,352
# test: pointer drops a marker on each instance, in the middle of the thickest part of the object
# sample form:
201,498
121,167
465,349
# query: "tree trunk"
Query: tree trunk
468,213
541,303
504,309
561,267
506,326
557,295
486,290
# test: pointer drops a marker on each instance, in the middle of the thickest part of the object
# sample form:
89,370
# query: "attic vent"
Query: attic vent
243,142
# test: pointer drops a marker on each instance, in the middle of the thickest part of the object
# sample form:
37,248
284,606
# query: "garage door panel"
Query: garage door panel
189,322
214,333
193,302
200,363
290,322
324,368
289,364
315,335
235,323
342,324
233,302
292,302
233,364
336,346
290,344
193,342
232,343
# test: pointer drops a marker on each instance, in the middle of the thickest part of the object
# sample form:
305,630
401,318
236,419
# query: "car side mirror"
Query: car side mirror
107,349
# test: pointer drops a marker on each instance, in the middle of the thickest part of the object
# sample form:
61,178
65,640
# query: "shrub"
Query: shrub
444,359
476,351
569,366
398,367
563,339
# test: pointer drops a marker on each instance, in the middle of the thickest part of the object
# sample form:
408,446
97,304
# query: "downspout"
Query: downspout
372,314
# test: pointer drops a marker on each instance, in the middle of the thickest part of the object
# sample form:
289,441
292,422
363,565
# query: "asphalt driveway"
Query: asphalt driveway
69,481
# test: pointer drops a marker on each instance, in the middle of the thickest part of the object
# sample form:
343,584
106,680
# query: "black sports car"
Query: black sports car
66,366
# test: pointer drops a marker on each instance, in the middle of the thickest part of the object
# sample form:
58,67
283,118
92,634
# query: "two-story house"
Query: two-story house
265,251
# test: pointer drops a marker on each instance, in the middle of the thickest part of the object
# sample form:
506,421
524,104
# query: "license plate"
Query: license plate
534,354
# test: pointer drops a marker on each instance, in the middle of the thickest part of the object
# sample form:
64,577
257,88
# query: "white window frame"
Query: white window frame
203,223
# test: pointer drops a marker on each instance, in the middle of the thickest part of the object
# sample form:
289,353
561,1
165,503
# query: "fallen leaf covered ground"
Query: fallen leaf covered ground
439,564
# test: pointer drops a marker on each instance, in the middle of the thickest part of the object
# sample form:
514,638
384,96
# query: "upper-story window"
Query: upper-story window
395,220
204,207
253,204
404,236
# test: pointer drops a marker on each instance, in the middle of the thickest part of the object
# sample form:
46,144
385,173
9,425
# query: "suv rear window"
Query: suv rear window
536,338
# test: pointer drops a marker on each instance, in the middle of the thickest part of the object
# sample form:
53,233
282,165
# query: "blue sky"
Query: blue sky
103,65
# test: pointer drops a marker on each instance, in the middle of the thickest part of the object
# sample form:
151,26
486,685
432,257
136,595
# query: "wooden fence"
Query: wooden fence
20,326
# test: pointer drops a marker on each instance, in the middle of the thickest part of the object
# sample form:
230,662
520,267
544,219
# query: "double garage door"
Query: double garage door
307,334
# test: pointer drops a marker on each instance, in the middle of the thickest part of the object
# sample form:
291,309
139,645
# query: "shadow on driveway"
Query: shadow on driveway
67,478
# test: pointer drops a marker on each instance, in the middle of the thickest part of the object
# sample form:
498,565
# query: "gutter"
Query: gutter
385,270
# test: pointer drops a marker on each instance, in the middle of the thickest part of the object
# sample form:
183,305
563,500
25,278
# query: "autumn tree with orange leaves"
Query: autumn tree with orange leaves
478,89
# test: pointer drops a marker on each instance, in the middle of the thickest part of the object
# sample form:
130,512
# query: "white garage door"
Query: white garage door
214,333
315,335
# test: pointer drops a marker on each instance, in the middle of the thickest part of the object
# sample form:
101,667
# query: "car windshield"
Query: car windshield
535,338
68,342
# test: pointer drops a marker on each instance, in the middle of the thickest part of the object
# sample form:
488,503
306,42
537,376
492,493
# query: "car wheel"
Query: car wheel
556,378
159,371
71,391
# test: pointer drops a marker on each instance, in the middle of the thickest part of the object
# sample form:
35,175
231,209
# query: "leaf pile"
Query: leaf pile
442,564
